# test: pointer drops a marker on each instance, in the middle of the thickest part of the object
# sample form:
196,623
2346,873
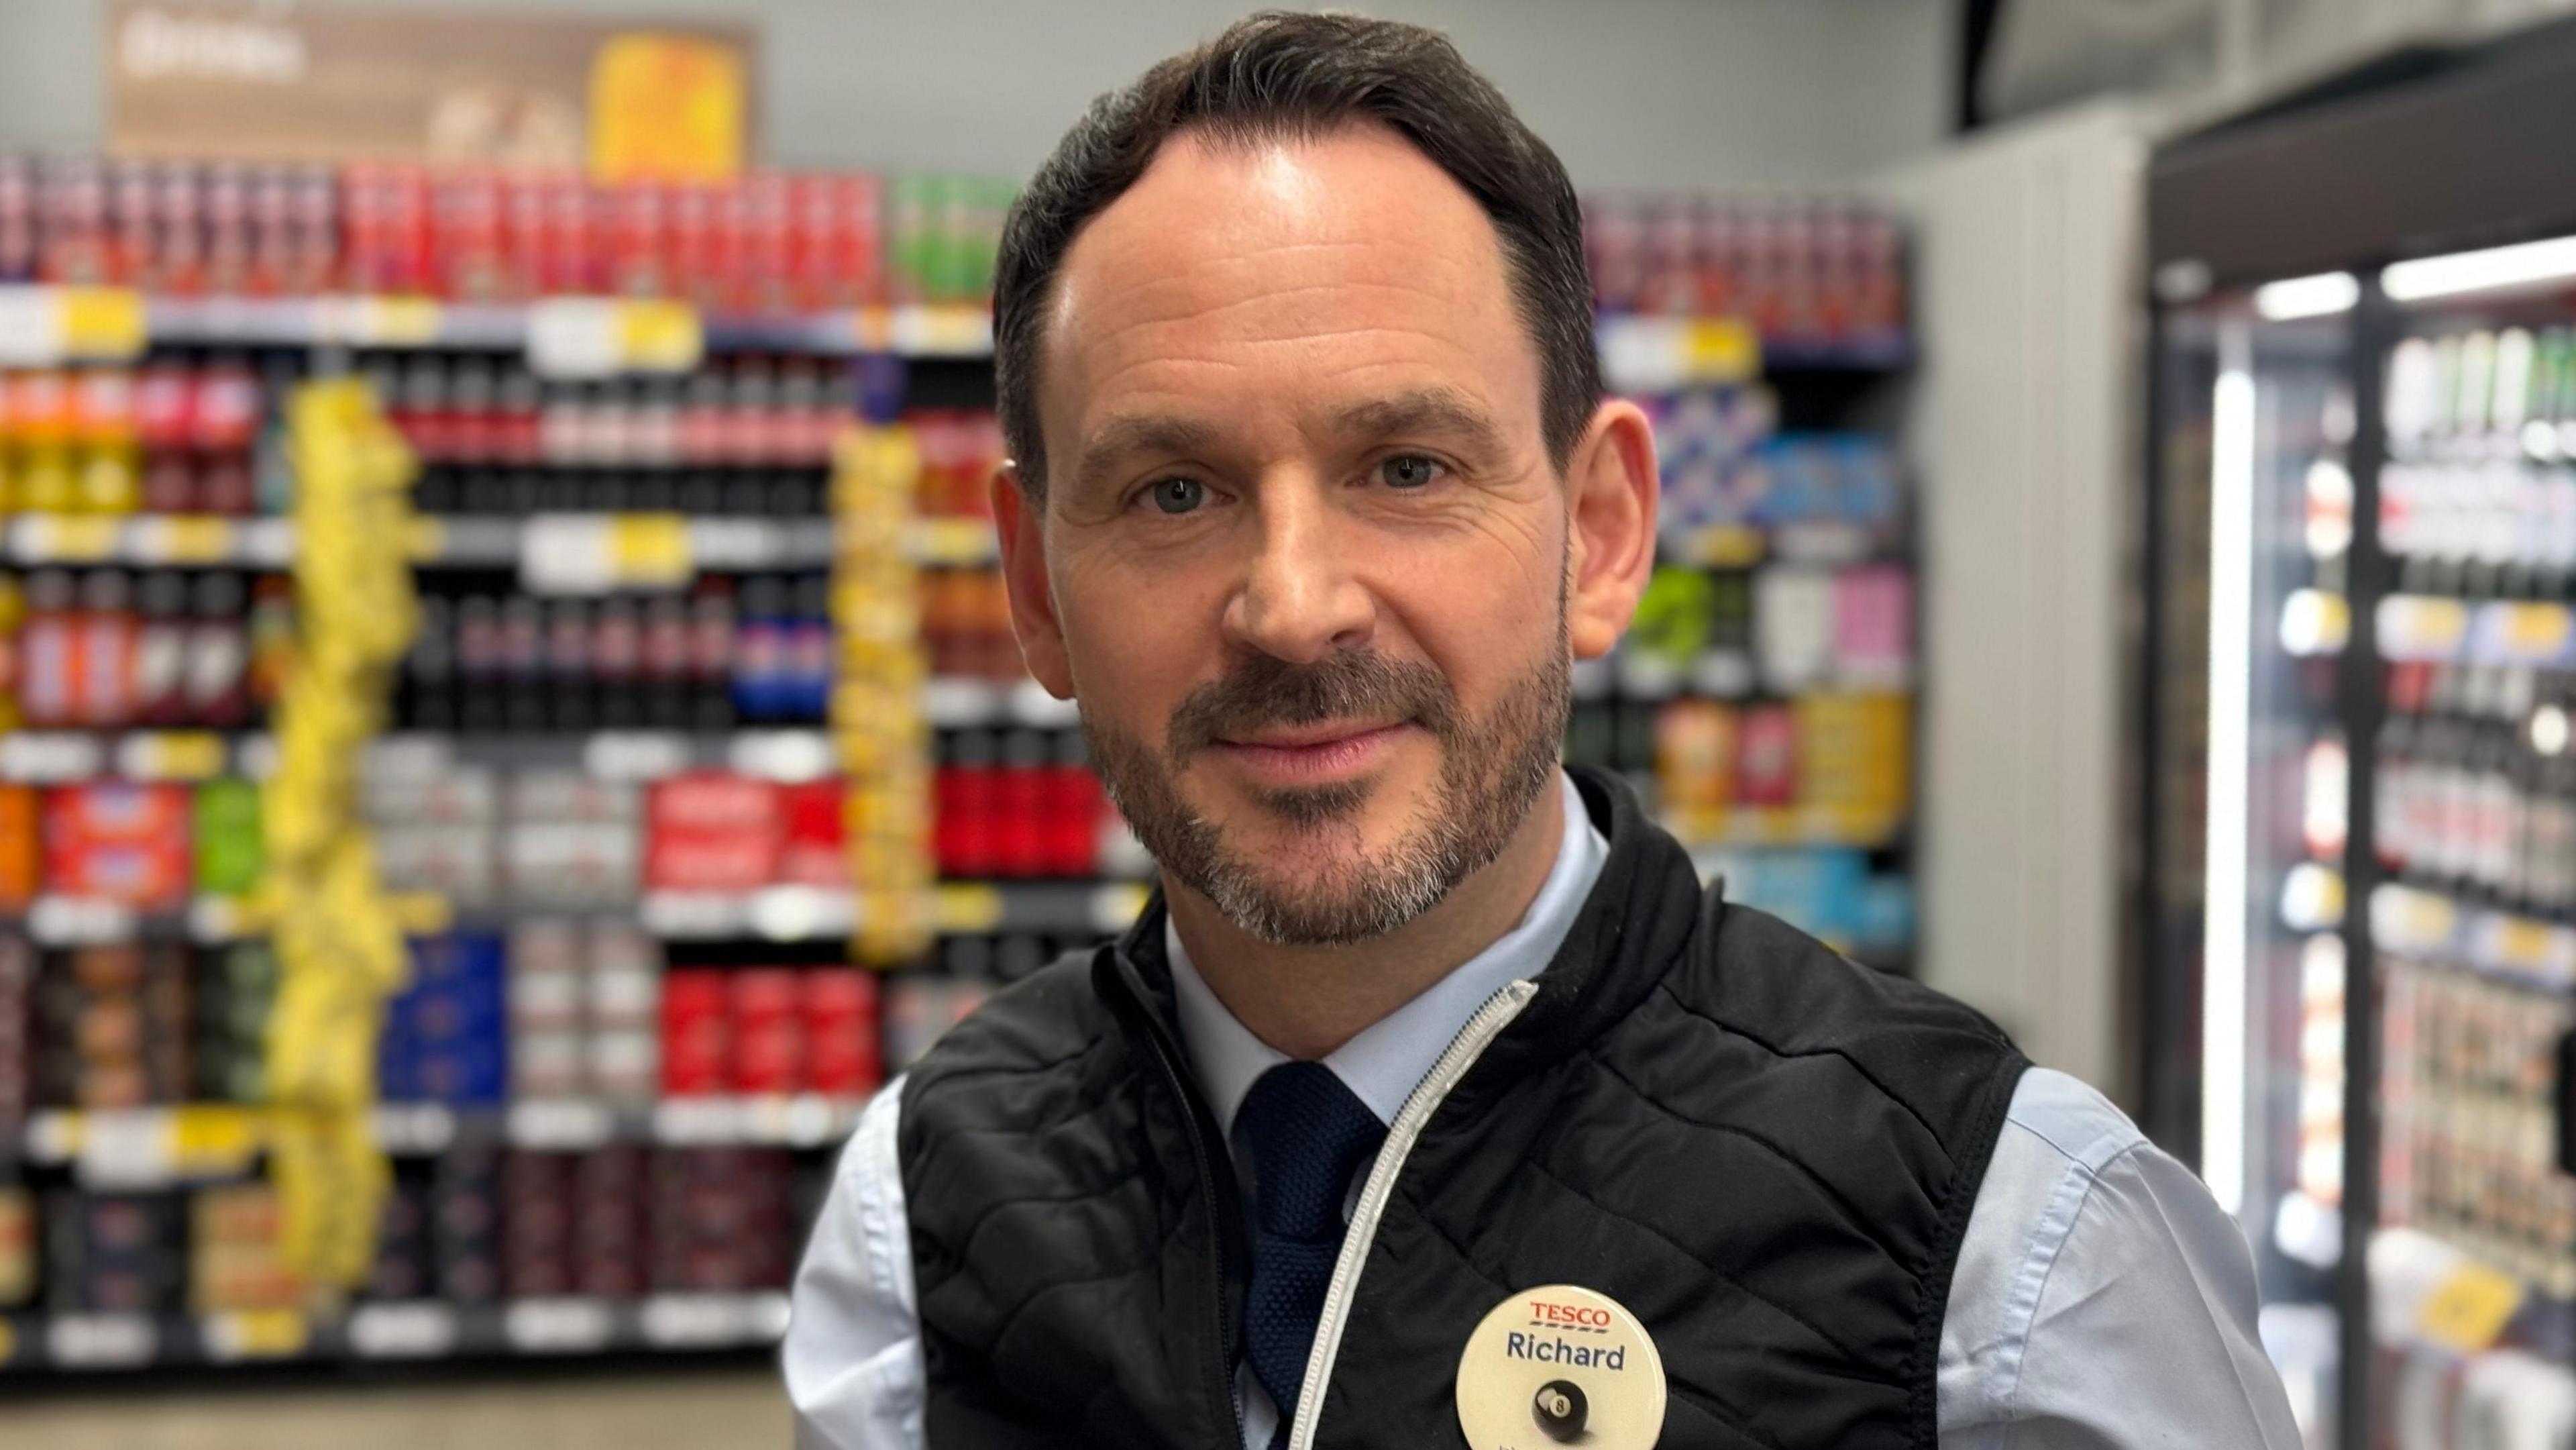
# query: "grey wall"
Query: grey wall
2023,430
1630,92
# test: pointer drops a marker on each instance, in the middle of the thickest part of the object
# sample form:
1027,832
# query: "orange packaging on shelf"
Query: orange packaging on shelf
20,854
711,831
120,841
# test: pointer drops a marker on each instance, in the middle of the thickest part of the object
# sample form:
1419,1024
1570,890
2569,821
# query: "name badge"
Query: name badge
1560,1365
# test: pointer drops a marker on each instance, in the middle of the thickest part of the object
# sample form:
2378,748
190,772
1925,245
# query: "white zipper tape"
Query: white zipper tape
1425,1099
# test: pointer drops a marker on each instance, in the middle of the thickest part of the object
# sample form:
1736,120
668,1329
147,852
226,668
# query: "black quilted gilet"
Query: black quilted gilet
1766,1153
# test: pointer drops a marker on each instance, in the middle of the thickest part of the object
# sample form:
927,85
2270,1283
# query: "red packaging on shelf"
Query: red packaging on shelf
178,229
638,240
768,1031
223,416
689,253
465,235
714,800
1768,758
130,250
842,1056
385,236
712,831
71,201
120,841
1073,811
814,852
523,251
762,263
697,1032
1021,826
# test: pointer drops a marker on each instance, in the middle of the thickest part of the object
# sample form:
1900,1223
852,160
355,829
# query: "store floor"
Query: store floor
692,1411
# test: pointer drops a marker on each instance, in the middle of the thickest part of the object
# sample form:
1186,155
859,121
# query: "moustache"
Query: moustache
1267,691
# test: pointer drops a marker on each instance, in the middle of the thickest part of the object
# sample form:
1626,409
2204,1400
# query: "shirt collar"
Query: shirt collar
1382,1064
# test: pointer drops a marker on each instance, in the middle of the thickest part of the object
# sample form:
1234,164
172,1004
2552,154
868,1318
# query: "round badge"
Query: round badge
1560,1365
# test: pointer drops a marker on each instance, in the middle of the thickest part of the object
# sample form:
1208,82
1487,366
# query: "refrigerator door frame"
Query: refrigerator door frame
2471,155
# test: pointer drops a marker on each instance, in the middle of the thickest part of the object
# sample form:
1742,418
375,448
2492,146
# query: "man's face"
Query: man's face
1303,558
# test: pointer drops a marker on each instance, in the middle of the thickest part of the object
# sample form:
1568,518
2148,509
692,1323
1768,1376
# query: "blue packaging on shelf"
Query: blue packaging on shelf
445,1039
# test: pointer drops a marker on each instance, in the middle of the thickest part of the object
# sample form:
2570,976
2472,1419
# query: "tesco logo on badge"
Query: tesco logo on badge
1584,1315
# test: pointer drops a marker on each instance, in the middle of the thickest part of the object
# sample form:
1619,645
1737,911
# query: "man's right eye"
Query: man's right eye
1178,495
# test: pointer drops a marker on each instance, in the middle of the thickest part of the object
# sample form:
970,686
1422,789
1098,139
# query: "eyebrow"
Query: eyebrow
1439,411
1434,410
1145,433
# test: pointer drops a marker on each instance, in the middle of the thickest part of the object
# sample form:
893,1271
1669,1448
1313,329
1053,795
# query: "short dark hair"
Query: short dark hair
1284,75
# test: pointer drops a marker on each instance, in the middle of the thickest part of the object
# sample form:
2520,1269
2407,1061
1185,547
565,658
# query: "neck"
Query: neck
1307,1001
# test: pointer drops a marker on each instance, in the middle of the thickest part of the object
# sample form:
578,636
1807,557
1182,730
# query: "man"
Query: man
1430,1103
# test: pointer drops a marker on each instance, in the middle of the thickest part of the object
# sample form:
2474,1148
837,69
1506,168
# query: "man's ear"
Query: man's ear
1019,522
1611,493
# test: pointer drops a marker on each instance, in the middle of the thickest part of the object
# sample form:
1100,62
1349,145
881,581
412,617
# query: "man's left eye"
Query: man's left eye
1408,470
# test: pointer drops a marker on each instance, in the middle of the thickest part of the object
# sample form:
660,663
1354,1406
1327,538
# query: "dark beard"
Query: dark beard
1491,772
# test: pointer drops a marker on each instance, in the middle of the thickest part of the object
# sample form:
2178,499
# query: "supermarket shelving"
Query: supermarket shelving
584,550
171,1144
44,329
394,1330
786,913
2412,922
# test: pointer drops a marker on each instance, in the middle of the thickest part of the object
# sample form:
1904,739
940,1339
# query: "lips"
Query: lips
1313,754
1306,737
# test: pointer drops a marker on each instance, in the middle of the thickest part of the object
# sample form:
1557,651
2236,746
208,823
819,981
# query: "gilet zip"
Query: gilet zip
1425,1099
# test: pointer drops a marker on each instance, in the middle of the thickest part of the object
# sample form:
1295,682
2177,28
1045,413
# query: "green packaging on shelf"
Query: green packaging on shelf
229,853
1674,616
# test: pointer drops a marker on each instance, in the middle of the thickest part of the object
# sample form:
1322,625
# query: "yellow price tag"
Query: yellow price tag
396,321
2468,1311
968,908
191,539
74,538
650,549
178,755
260,1333
951,541
941,331
206,1138
1726,546
1721,350
2521,942
102,323
658,335
2535,631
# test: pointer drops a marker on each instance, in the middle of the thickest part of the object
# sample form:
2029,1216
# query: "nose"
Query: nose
1300,599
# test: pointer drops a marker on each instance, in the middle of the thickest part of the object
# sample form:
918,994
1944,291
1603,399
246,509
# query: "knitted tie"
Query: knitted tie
1307,1135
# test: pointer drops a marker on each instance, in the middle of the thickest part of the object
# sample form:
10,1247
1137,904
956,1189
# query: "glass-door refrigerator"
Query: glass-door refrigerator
2356,911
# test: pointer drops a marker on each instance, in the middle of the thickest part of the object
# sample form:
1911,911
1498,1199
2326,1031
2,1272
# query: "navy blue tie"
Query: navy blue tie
1308,1136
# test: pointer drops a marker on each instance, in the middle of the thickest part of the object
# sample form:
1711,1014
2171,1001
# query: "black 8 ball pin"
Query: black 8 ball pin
1560,1410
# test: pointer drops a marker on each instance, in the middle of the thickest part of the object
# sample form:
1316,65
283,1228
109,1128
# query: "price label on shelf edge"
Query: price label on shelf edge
558,1326
599,337
43,326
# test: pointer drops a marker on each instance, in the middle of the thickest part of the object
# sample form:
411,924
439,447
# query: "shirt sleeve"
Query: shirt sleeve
2101,1300
852,1356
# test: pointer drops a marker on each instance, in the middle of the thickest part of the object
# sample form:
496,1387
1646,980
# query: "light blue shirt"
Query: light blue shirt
2101,1300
